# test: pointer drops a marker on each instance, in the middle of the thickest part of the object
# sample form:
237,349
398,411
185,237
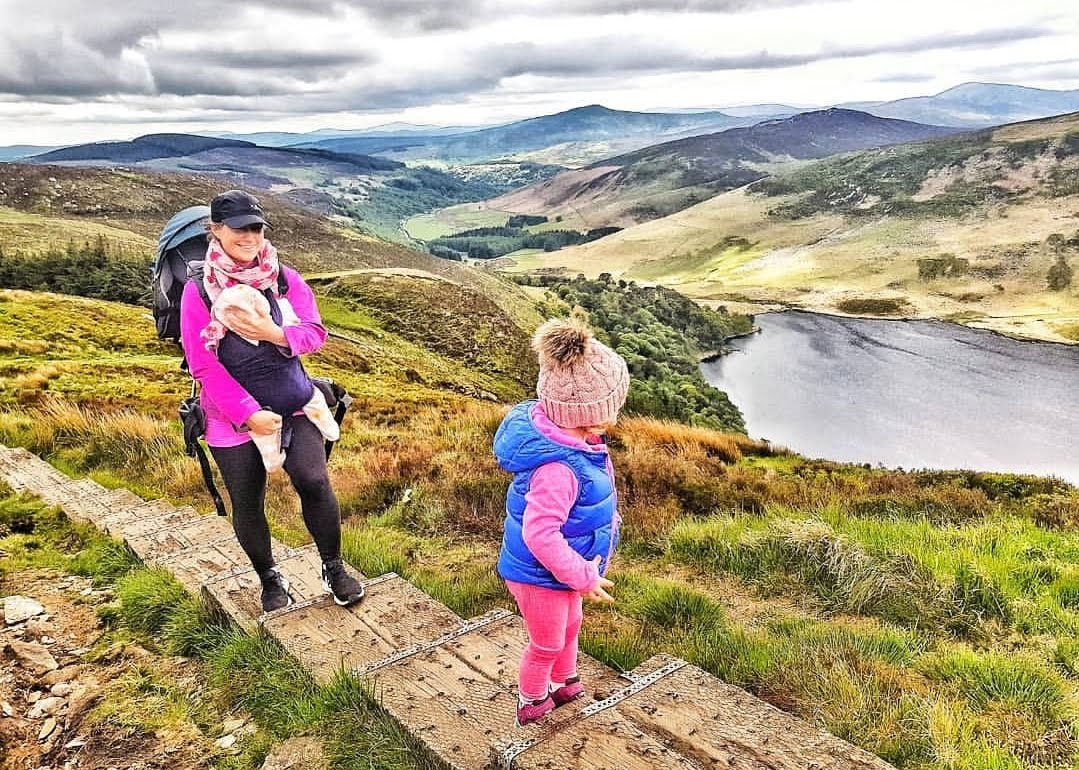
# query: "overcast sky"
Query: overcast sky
74,71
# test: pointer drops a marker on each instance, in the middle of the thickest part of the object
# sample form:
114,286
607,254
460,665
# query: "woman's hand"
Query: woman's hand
599,593
258,327
264,422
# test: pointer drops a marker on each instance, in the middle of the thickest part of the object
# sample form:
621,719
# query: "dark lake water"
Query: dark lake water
910,394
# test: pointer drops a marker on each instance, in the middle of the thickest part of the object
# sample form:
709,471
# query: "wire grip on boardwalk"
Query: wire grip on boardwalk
494,616
318,601
509,754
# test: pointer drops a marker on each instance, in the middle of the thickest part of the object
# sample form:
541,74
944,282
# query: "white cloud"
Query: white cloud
77,71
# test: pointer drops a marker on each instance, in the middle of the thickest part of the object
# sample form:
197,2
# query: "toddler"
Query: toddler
238,301
561,508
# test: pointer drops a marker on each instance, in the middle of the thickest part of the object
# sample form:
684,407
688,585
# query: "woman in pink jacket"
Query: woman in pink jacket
253,383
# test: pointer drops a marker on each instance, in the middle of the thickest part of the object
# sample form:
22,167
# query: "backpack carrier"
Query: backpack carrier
181,249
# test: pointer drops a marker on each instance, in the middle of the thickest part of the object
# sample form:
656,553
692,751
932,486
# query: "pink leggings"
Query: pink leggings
553,619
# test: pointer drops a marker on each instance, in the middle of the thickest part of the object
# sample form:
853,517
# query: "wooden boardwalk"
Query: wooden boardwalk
450,681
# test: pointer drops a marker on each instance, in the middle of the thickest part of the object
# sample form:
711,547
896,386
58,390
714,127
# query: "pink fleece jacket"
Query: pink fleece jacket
225,401
550,497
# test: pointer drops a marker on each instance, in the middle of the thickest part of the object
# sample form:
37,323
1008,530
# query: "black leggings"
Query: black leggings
305,463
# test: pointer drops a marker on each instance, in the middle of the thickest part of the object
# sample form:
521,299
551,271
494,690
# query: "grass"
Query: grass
929,617
249,674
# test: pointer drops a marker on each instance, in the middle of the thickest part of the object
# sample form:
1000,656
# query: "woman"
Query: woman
253,382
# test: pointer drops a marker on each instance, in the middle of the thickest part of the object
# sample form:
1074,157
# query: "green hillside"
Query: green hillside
931,617
966,228
924,616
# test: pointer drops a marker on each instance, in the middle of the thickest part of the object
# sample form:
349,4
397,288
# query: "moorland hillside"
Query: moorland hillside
921,615
931,617
664,178
51,207
978,228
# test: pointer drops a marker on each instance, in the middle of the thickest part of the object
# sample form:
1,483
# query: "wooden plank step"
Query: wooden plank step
68,492
394,615
460,699
114,520
720,725
444,697
237,591
192,567
169,518
510,638
697,720
161,544
26,472
86,500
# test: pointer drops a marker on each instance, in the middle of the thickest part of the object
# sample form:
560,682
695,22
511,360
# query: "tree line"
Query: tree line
89,269
662,335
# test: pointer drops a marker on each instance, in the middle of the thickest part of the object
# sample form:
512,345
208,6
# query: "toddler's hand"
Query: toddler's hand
599,593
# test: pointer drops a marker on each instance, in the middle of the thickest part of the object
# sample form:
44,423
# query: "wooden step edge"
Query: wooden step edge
506,751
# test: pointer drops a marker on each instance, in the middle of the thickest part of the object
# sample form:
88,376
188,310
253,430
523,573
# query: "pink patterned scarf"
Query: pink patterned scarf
220,271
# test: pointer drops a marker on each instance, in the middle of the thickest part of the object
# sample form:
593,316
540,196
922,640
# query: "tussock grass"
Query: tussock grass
841,574
1011,682
121,439
375,550
470,590
147,599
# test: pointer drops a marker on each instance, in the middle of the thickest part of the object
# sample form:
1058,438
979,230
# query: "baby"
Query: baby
239,300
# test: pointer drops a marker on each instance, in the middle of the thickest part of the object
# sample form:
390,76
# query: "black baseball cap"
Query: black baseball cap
236,208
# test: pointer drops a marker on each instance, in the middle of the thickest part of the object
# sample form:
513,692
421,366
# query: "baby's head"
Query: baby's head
240,300
582,382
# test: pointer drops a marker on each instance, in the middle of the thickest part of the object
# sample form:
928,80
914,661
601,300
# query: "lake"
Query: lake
909,394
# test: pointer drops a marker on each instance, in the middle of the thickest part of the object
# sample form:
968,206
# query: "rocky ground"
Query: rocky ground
67,698
49,692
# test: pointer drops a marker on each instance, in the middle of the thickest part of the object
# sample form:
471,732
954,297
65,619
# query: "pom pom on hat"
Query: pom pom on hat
582,382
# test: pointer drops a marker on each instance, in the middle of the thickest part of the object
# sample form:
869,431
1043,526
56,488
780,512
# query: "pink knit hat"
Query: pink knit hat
582,382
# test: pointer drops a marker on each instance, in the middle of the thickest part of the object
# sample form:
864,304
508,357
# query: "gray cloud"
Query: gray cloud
429,15
57,56
607,55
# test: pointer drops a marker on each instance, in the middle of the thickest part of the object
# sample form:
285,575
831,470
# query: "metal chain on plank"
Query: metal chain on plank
494,616
513,750
316,601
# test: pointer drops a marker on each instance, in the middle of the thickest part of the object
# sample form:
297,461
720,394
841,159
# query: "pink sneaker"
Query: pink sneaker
571,690
533,711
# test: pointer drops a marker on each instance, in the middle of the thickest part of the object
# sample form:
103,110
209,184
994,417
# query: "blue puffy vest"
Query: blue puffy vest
521,448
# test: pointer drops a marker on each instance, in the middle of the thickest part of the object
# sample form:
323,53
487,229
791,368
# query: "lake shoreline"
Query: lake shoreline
923,393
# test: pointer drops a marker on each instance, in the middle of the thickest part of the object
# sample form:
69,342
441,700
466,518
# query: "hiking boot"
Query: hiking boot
346,589
571,690
533,710
275,593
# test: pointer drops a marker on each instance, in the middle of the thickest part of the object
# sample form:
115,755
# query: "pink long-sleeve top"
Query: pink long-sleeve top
550,497
226,403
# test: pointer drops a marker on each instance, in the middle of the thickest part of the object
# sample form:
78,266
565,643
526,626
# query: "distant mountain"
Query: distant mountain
659,180
199,153
143,148
977,105
764,110
615,130
17,151
290,139
970,227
